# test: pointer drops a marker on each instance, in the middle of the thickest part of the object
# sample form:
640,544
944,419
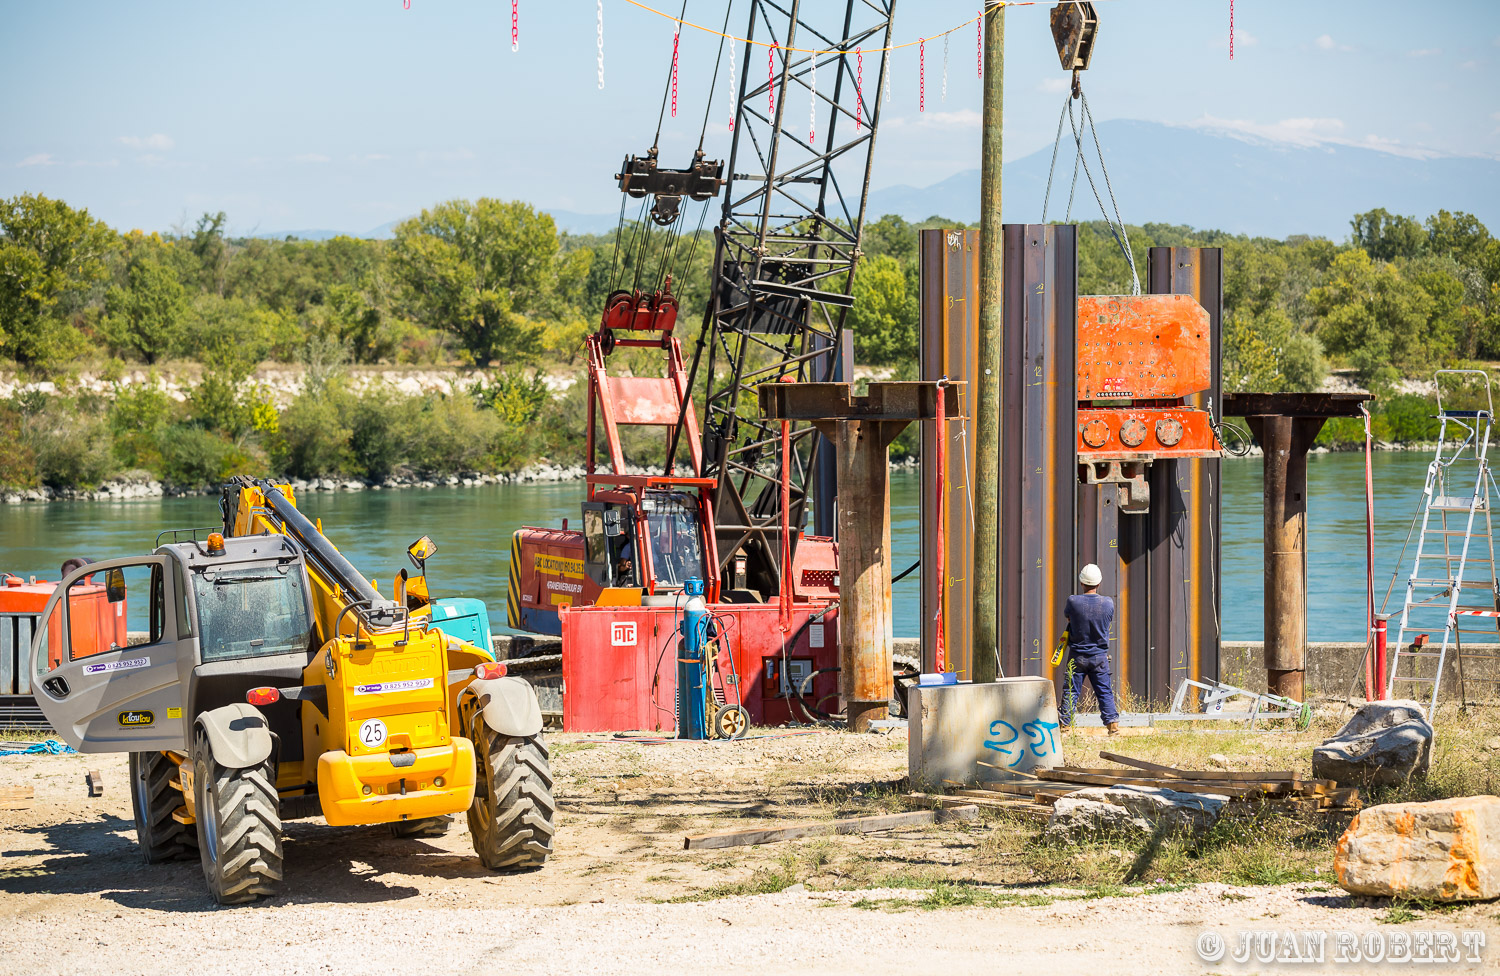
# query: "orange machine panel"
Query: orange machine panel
1128,433
1142,347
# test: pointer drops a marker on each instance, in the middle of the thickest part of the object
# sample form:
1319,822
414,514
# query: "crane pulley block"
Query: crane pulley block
642,176
1074,28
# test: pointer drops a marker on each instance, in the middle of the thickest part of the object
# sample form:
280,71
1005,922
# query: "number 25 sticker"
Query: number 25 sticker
372,733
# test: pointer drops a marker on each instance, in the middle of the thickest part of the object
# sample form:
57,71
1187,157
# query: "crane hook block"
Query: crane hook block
640,176
1074,27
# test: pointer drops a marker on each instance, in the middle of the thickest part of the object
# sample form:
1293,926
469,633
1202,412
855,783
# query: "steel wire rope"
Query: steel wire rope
666,93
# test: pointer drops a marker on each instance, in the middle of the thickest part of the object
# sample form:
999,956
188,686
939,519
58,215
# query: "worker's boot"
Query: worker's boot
1113,728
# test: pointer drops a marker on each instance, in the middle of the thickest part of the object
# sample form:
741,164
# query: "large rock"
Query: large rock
1446,850
1386,743
1132,810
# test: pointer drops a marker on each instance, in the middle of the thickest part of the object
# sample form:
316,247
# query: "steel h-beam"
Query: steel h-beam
862,428
1284,426
787,244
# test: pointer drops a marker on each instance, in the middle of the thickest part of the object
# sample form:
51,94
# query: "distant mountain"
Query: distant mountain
1220,180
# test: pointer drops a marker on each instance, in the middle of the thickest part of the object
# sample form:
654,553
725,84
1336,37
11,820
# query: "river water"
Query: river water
472,528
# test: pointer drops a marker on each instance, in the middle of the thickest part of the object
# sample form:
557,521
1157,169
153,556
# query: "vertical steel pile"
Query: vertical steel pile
1162,567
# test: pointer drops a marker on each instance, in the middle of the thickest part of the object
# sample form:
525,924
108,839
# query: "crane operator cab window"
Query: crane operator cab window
251,611
673,528
609,545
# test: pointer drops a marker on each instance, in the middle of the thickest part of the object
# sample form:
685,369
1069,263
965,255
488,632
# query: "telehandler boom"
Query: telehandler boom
276,682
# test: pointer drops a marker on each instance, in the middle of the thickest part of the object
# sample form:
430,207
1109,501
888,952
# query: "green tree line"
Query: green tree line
493,286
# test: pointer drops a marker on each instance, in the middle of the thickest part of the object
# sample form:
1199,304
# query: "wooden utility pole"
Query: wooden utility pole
986,658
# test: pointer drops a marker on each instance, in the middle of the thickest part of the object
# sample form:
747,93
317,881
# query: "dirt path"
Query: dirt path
75,897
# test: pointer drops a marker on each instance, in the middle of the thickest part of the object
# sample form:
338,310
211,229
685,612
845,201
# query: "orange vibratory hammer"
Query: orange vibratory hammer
1139,359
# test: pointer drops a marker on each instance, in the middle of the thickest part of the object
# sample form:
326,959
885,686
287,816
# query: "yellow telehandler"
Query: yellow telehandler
273,682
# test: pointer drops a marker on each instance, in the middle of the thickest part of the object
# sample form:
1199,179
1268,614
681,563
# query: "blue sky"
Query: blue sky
347,115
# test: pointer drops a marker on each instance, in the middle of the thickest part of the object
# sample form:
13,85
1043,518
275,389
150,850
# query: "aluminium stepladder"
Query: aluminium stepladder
1452,588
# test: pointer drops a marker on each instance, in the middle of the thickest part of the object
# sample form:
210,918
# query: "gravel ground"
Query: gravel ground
75,897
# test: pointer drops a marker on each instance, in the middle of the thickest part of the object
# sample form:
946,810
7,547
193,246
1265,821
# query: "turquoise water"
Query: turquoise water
472,528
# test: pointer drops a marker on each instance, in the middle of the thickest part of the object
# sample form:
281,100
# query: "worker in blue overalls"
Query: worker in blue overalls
1089,617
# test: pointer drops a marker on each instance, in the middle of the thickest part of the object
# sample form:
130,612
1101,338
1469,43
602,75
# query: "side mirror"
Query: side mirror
612,520
114,585
421,551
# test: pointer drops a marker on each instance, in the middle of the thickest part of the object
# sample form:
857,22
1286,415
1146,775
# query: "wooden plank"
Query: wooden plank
853,825
1174,772
1180,785
16,797
94,780
959,801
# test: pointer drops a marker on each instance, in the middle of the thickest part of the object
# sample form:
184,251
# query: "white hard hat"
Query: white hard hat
1090,575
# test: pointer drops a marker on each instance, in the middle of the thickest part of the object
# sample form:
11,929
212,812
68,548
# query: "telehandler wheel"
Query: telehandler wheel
425,827
153,798
511,817
239,826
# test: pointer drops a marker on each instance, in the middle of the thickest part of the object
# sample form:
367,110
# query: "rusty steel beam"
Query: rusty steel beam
861,429
948,344
1187,529
1285,425
1038,463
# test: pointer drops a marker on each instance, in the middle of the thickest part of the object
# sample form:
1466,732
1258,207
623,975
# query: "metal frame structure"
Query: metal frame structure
786,248
1459,483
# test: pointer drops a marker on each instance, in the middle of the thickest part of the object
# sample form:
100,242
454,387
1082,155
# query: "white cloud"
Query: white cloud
1309,133
311,158
453,156
156,141
1053,86
964,118
1243,38
38,159
1425,52
375,157
1468,65
1327,43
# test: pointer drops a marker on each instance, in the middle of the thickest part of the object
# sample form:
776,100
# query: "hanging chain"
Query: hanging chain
921,74
731,88
601,44
812,87
859,88
1231,30
515,25
676,36
771,80
886,72
979,42
945,69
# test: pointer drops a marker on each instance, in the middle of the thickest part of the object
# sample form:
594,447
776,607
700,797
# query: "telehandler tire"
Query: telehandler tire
239,826
425,827
153,798
511,817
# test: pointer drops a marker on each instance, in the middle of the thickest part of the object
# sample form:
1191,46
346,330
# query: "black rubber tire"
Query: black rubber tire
511,818
731,722
152,799
425,827
239,827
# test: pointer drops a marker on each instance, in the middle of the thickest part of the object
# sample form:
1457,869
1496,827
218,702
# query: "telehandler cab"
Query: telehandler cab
273,682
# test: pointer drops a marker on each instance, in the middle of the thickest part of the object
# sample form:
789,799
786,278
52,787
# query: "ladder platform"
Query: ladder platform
1456,503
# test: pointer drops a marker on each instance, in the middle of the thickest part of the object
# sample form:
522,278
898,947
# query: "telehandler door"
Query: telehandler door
114,644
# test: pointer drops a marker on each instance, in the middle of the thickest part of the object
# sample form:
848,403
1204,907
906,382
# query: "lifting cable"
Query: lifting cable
1117,225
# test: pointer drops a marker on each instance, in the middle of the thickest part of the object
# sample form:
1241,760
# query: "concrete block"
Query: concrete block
1010,723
